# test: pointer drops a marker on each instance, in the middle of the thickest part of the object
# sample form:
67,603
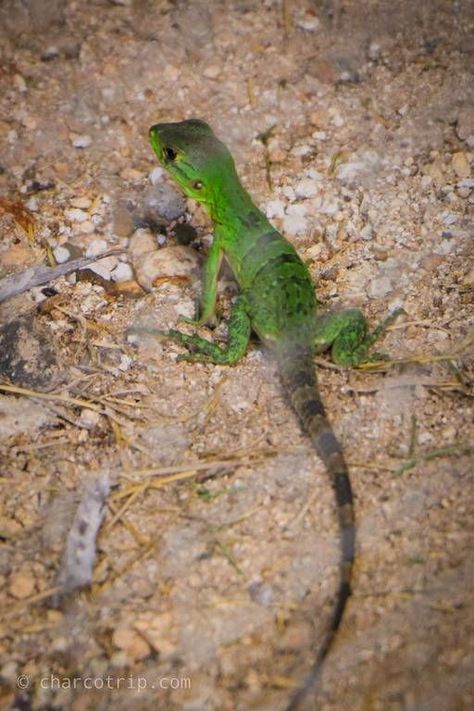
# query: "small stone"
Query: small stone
274,208
374,51
50,53
130,642
88,419
308,23
32,204
367,233
83,141
168,262
212,71
164,200
19,83
294,224
61,254
301,150
141,242
306,188
460,165
96,247
76,215
156,175
131,174
21,585
83,203
122,272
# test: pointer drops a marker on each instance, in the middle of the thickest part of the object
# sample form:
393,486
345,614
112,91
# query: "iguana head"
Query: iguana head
193,156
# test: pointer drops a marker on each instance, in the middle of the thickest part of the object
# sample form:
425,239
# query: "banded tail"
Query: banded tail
298,376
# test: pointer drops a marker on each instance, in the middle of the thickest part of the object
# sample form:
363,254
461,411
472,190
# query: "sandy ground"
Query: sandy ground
353,127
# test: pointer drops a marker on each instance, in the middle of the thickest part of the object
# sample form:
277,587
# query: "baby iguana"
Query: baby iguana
277,302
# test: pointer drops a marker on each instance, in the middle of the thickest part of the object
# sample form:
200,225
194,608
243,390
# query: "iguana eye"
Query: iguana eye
170,154
197,185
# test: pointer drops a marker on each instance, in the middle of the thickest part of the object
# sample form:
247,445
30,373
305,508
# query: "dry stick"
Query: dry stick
35,276
60,398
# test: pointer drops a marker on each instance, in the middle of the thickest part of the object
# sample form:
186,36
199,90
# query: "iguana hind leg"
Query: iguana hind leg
202,350
346,334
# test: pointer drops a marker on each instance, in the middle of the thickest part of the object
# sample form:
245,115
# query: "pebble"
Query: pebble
165,201
367,233
141,242
83,141
167,262
88,419
76,215
294,224
155,176
374,51
130,642
274,208
19,83
131,174
61,254
96,247
309,24
460,165
21,585
122,272
83,203
302,150
32,204
212,71
306,188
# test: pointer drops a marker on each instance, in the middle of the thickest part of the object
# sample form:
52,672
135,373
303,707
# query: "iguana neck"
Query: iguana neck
232,208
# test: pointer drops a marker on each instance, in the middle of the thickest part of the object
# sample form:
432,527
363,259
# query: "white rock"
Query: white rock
96,247
82,203
301,150
19,83
32,204
125,362
306,188
337,120
374,51
122,272
367,232
61,254
83,141
294,224
76,215
212,72
156,175
274,208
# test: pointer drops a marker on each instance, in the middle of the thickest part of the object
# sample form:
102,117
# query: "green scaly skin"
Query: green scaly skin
277,301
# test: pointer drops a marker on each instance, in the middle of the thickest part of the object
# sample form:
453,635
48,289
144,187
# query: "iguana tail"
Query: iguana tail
297,373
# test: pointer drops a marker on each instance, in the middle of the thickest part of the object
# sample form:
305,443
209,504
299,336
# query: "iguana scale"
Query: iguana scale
277,301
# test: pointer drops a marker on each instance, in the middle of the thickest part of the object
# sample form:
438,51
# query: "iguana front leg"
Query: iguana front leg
346,333
202,350
207,313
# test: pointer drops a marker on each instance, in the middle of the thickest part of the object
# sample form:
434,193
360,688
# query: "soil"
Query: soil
216,563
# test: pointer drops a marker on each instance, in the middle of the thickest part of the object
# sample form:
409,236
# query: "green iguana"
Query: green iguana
277,301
